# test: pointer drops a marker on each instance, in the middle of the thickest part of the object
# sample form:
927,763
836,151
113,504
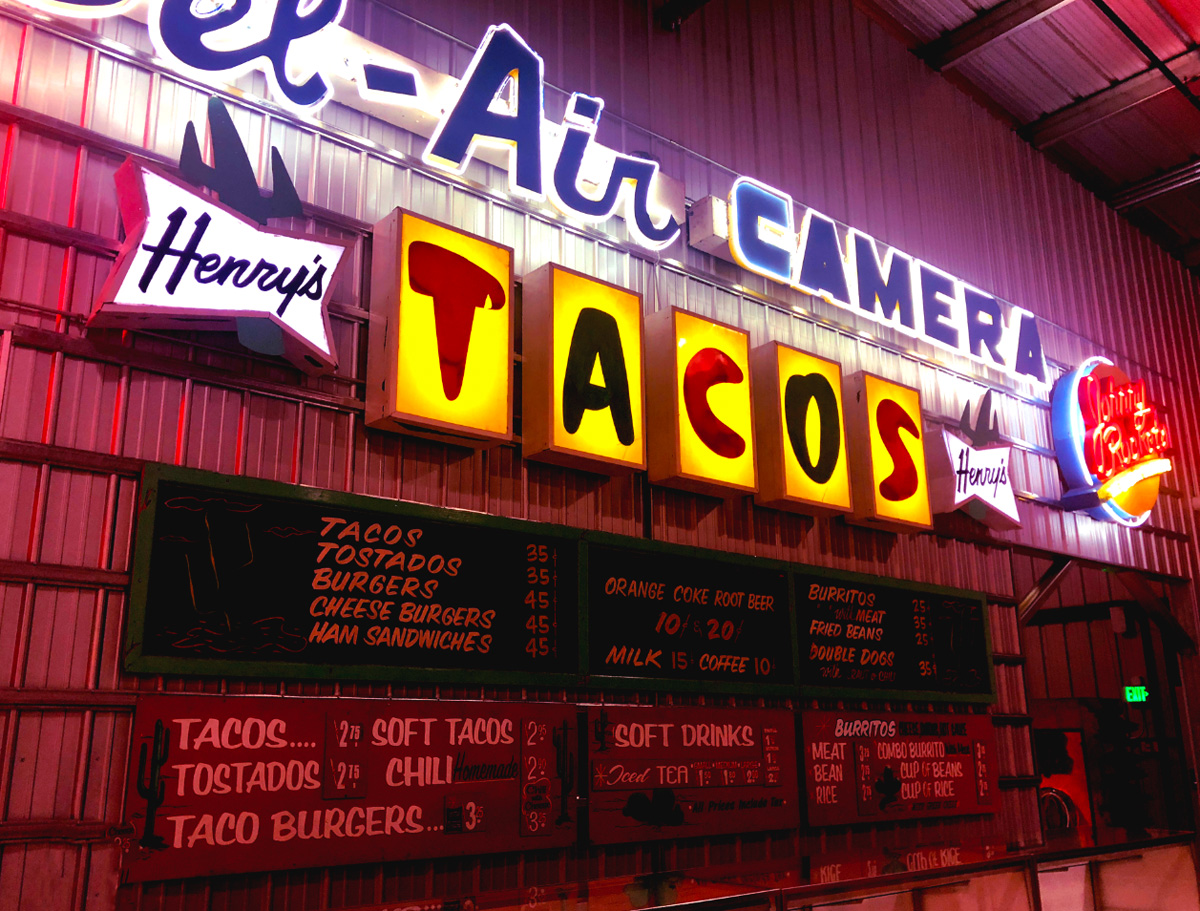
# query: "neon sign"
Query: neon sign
897,291
887,454
441,355
1111,442
480,115
582,378
189,262
799,418
701,416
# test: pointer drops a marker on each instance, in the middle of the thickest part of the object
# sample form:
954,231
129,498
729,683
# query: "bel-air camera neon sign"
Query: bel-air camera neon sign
497,108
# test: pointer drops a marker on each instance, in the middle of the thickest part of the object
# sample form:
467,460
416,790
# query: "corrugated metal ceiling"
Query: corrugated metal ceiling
1084,81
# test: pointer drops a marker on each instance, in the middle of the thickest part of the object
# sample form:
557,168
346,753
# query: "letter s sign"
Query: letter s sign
891,486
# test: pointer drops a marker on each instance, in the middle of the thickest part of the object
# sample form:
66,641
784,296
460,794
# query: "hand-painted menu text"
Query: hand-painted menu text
253,578
686,618
861,767
237,784
681,772
858,635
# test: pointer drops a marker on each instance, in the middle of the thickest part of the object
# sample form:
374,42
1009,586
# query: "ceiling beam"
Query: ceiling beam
990,25
1042,589
1159,611
671,15
1143,191
1188,253
1058,125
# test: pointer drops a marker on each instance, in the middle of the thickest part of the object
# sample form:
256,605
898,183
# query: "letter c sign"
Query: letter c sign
698,405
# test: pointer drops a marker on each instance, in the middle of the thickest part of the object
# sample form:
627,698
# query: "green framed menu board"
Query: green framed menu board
243,577
860,636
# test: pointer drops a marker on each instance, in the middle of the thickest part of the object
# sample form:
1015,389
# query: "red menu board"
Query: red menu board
244,783
843,866
868,767
680,772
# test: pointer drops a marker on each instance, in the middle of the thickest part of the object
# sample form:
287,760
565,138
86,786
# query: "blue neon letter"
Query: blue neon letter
750,204
501,55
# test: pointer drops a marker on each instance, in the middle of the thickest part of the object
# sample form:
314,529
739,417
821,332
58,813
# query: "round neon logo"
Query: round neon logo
1110,440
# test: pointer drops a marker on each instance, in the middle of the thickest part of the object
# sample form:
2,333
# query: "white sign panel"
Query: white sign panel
977,481
191,263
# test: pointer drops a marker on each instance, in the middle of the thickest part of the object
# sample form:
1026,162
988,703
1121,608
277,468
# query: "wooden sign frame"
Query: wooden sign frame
538,415
138,661
808,691
735,562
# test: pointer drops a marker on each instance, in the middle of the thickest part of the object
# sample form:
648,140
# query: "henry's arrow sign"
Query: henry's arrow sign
190,262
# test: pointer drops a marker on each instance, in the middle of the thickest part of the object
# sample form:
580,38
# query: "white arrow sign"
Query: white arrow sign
191,263
977,479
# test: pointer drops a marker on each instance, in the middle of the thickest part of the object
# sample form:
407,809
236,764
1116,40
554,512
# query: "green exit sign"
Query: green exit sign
1136,694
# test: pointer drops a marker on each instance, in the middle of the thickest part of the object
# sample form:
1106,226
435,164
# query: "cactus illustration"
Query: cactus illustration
564,767
600,728
155,789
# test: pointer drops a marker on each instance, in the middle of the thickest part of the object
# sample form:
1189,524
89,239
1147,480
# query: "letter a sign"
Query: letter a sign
582,387
441,331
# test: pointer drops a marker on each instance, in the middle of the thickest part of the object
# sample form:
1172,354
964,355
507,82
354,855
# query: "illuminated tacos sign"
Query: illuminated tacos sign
1111,442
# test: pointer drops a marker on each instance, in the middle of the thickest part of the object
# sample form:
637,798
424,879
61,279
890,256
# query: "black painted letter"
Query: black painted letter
596,336
799,392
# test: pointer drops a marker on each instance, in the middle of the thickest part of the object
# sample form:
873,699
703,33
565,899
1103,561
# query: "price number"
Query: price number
347,734
535,732
921,622
535,821
463,817
535,768
542,599
342,779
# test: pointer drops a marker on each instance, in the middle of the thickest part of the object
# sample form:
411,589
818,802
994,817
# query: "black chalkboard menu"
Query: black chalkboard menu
666,616
239,577
248,577
856,635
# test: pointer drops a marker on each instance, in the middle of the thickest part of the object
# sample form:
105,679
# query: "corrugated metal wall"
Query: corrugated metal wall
813,98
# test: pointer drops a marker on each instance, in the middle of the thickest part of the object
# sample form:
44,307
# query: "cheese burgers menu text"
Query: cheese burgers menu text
237,576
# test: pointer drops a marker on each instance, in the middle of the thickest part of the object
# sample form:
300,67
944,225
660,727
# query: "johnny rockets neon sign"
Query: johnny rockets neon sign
1111,442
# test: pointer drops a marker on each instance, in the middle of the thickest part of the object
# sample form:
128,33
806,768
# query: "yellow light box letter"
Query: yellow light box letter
801,431
887,453
441,330
582,390
698,377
